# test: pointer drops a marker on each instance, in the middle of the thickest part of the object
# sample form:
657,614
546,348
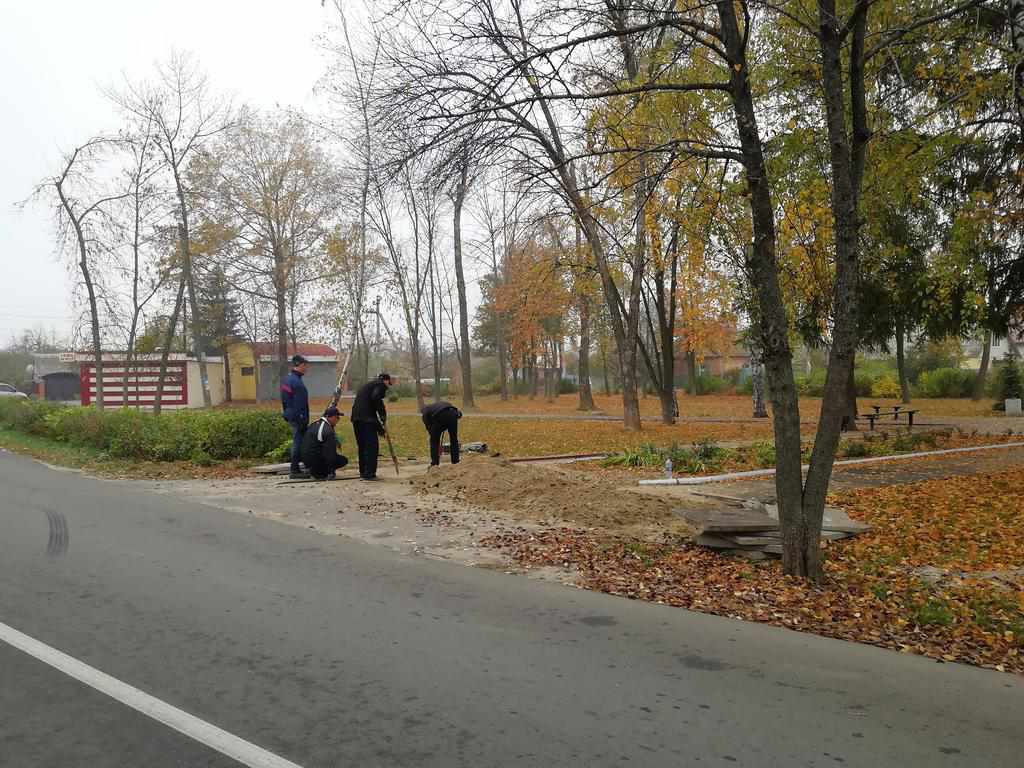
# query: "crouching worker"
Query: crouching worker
438,418
320,447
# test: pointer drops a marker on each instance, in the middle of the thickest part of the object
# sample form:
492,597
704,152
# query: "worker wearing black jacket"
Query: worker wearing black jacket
320,447
438,418
368,419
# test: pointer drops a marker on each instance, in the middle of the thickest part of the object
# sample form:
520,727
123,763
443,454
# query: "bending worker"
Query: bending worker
369,417
438,418
320,447
295,407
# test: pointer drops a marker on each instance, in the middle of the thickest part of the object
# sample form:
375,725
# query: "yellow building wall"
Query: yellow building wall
240,355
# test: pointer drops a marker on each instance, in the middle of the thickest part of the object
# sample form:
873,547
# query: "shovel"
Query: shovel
391,450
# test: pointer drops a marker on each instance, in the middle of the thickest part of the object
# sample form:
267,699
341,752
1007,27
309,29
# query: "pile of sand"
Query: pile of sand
542,494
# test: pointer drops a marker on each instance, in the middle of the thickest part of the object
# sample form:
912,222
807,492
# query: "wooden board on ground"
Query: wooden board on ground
742,526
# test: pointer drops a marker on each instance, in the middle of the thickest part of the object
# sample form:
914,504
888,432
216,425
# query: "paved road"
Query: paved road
329,653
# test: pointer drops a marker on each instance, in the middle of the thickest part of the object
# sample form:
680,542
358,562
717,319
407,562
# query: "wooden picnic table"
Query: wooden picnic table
896,412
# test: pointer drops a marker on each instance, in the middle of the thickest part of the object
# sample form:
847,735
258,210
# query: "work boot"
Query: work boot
298,476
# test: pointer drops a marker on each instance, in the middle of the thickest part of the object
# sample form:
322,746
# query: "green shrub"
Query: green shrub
567,387
28,416
812,385
764,453
240,434
933,611
646,455
283,452
710,385
854,449
885,386
1009,378
77,426
201,458
863,382
704,455
932,355
946,382
171,436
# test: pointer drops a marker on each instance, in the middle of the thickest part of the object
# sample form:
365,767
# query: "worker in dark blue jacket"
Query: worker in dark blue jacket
295,404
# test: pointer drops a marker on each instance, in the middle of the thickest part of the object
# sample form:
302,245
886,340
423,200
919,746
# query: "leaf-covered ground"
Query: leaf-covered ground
872,593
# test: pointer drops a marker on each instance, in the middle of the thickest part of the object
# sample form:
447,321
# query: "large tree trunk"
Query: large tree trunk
227,373
94,325
583,370
801,542
502,359
691,373
901,361
172,323
986,354
801,547
186,262
757,383
460,284
417,376
849,413
604,371
281,301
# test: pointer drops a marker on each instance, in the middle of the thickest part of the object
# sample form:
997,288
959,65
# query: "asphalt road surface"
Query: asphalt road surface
325,652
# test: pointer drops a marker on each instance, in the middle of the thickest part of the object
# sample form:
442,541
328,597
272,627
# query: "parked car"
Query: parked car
6,390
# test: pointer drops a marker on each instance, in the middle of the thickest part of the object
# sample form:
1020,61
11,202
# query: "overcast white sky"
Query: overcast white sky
54,58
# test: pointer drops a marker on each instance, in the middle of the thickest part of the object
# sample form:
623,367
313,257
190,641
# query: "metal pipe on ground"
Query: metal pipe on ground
844,463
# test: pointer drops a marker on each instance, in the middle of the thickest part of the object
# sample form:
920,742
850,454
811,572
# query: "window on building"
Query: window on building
248,370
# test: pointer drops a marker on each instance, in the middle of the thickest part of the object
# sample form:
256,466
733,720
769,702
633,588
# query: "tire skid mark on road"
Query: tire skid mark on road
60,538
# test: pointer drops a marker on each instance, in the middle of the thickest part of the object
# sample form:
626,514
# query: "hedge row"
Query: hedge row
201,436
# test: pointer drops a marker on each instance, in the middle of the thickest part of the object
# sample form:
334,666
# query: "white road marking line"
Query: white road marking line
181,721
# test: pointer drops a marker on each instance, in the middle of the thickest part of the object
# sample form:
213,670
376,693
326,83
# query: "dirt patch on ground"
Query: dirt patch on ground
541,493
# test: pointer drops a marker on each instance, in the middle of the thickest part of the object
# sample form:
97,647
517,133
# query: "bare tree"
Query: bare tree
184,115
82,200
462,183
357,100
138,217
410,259
476,69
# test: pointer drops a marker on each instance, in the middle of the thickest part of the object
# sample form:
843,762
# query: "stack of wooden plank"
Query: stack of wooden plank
750,527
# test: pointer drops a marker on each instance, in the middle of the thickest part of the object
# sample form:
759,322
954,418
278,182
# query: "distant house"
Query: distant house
254,369
1012,343
71,377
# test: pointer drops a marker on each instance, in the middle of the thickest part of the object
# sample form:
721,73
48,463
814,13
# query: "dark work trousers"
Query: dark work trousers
446,421
298,430
321,468
369,447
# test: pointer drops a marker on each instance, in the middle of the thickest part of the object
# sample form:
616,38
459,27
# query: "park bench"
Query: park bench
896,411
